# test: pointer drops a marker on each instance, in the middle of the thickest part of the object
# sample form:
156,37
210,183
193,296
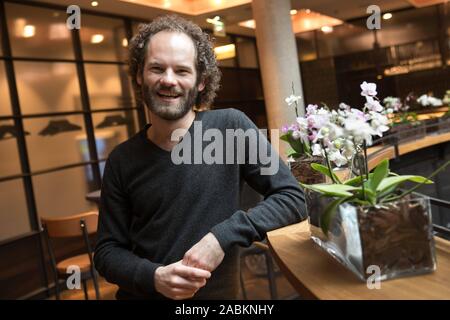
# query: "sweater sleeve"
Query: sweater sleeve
113,257
283,203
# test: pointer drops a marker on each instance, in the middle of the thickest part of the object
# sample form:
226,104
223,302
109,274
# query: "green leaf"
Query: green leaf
381,171
292,153
356,181
330,212
389,182
324,170
332,190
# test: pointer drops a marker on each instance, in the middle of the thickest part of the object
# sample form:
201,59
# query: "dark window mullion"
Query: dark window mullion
18,122
86,107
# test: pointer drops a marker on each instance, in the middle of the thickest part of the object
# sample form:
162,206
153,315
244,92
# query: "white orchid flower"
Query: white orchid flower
373,104
368,89
292,99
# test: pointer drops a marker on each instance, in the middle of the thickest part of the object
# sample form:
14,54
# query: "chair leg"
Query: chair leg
271,275
241,279
86,296
95,280
57,293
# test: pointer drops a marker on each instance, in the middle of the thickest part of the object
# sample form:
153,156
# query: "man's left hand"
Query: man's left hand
206,254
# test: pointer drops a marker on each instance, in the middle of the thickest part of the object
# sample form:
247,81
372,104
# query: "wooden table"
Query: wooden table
316,275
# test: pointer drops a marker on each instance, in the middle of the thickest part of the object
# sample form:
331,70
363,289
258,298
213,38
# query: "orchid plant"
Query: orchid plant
336,134
367,189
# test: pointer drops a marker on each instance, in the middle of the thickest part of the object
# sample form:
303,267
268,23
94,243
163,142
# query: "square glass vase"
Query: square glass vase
395,239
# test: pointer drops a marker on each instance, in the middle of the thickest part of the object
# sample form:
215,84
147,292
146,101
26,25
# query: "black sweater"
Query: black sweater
152,211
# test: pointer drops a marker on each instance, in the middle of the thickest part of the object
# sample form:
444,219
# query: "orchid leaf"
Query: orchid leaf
389,182
324,170
381,171
330,212
332,190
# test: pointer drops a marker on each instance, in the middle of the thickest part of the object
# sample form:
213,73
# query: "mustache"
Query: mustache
169,90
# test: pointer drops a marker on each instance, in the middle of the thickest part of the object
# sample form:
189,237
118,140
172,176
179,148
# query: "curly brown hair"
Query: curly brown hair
206,63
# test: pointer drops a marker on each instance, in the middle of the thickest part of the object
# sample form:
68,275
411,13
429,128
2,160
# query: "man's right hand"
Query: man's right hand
177,281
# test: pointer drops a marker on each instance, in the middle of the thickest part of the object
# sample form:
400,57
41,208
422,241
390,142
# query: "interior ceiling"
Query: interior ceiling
239,11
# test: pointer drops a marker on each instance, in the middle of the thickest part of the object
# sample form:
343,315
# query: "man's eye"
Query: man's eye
182,72
156,69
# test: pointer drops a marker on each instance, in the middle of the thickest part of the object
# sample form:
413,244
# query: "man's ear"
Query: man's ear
139,78
201,86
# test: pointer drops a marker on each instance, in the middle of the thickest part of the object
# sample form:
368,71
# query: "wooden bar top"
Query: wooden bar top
316,275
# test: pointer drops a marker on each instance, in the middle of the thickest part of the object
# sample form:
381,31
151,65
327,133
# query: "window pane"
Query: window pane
103,38
9,155
246,51
409,26
5,102
112,128
306,46
109,86
51,144
63,192
13,210
346,38
38,32
47,87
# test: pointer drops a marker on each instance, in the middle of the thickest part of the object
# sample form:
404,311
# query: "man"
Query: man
171,230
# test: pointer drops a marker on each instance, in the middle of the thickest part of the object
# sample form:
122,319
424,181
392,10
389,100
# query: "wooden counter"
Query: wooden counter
316,275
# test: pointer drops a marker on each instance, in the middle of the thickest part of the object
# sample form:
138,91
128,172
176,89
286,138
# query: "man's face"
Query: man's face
169,78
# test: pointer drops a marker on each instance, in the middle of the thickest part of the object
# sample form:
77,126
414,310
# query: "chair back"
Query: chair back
70,226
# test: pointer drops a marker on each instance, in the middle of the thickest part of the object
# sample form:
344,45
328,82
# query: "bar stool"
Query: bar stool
77,225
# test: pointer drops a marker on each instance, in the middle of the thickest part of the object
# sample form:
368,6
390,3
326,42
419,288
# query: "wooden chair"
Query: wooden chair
77,225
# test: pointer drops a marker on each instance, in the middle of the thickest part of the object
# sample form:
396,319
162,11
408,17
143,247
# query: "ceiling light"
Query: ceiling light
29,31
124,42
167,4
326,29
387,16
94,3
293,12
225,52
97,38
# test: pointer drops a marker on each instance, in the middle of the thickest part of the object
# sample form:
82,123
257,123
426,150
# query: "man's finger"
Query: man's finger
191,272
191,283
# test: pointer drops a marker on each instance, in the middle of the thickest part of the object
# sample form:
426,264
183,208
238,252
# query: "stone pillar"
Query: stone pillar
277,51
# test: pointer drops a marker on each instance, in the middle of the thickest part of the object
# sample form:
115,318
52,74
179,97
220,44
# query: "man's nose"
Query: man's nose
168,78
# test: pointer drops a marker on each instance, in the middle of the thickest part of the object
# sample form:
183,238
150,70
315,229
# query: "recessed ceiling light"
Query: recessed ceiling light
387,16
29,31
326,29
97,38
94,3
124,42
293,12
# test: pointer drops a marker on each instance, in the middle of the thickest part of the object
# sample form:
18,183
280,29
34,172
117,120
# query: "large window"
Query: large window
66,106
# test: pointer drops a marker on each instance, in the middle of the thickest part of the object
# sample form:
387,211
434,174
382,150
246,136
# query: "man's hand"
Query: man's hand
177,281
206,254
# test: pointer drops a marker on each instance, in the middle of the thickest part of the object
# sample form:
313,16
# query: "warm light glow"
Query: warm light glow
225,52
305,20
218,2
29,31
97,38
167,4
387,16
94,3
326,29
124,42
293,12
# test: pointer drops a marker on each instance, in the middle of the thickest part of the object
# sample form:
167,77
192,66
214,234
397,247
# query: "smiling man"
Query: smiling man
172,230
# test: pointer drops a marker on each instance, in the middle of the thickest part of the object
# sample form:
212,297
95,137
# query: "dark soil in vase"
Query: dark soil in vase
302,171
396,237
406,132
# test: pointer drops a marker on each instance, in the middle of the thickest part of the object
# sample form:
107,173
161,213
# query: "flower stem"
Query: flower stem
328,163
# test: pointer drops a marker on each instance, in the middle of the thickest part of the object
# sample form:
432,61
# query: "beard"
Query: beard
168,110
